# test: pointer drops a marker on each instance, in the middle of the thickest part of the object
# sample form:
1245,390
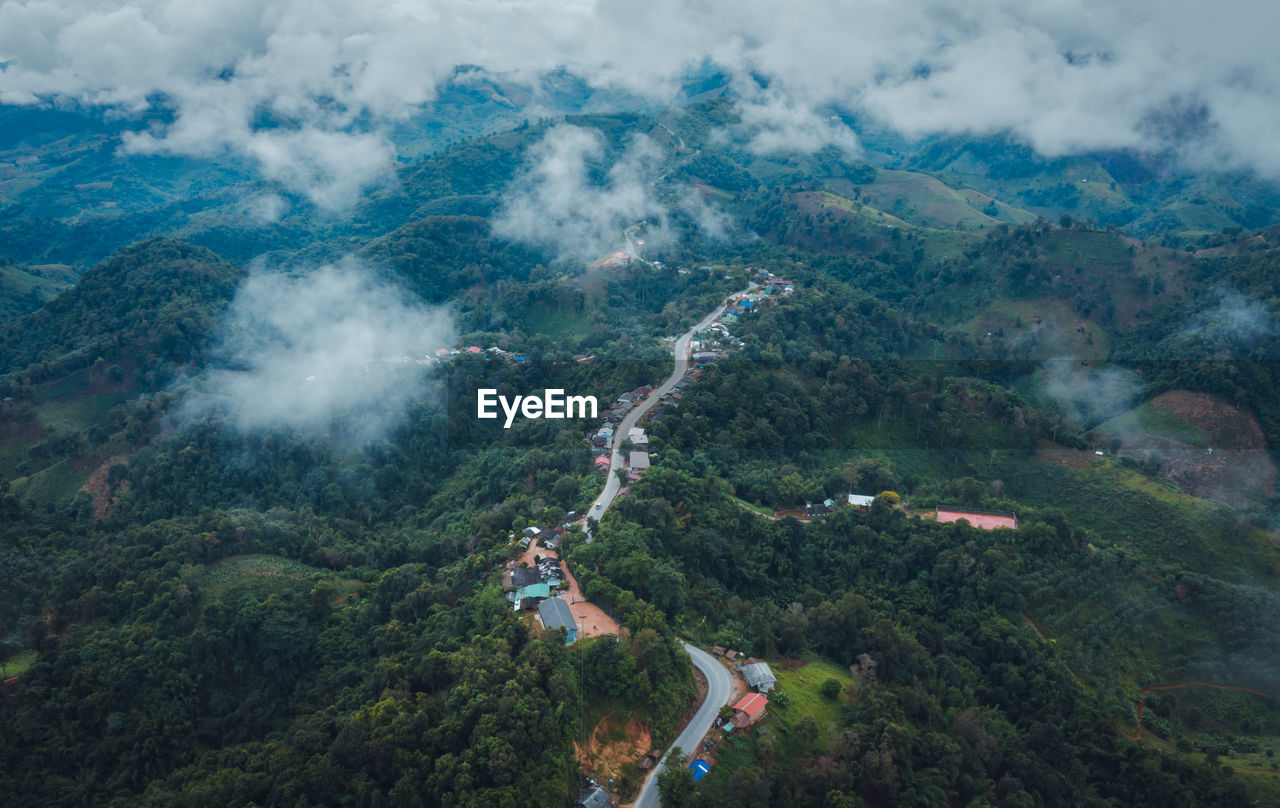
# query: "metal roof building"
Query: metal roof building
759,677
555,613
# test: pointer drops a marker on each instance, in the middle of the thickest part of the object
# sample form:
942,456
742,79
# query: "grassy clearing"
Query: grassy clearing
803,686
1085,248
1122,506
1156,421
925,201
19,663
558,324
757,508
56,483
258,571
68,385
1040,327
74,414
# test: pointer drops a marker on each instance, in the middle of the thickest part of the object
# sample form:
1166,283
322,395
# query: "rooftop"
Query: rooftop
555,613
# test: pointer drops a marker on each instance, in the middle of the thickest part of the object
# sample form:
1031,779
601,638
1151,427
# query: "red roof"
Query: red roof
752,705
986,521
474,349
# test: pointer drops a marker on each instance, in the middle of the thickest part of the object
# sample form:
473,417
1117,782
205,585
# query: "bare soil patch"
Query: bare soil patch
104,499
1234,468
614,747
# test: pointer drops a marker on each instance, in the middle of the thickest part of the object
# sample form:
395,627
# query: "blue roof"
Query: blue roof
700,769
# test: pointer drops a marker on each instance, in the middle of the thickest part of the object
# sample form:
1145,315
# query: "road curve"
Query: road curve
617,461
719,689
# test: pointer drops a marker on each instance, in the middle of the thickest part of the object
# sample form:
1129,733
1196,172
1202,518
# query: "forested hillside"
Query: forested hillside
211,600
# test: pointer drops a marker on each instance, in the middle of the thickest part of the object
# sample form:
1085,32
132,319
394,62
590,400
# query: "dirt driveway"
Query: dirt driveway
592,621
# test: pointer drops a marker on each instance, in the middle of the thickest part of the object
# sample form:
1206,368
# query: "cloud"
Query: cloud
1088,395
778,124
310,352
308,90
556,202
1236,322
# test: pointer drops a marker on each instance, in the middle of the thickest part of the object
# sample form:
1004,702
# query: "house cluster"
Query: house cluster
549,538
758,675
860,501
446,354
773,285
601,438
527,587
671,399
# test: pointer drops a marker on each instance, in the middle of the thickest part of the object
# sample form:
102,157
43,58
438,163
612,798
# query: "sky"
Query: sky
333,76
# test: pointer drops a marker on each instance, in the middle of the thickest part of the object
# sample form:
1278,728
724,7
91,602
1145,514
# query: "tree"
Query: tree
831,688
675,782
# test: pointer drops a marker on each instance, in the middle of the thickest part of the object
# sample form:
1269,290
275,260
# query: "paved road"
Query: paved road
719,689
617,461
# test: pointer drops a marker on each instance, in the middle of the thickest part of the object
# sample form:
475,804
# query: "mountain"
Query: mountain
243,582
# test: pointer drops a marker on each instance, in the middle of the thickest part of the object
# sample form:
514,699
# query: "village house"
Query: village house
748,710
520,577
554,613
593,797
861,502
818,509
528,596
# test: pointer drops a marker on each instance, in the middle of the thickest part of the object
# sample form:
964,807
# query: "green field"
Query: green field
1152,419
756,508
260,572
57,483
19,663
71,415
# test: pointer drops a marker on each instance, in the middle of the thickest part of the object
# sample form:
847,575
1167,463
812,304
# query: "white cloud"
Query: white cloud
309,352
1063,75
554,202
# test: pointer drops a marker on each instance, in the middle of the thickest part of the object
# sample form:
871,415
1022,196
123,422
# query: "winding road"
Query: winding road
719,689
617,461
719,680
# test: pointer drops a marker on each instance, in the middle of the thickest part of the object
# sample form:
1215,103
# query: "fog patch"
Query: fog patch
779,124
1087,395
333,351
564,200
1237,322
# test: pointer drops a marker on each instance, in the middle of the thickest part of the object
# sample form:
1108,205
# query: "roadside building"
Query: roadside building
759,677
699,769
749,709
